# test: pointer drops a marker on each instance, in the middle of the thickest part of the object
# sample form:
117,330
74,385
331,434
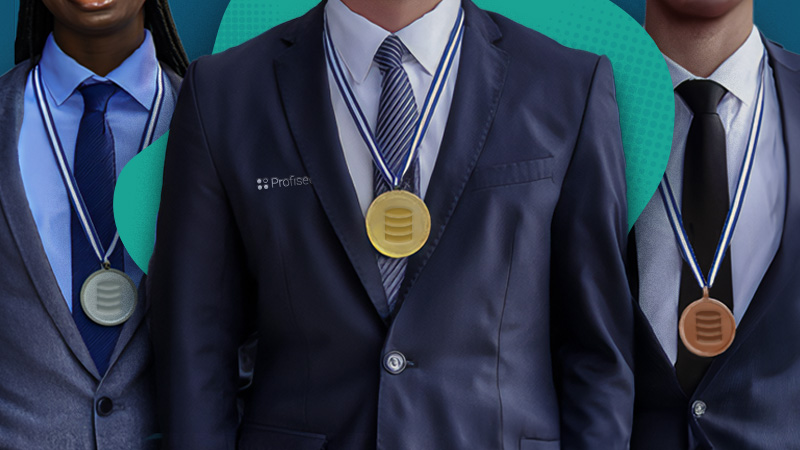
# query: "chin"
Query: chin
702,9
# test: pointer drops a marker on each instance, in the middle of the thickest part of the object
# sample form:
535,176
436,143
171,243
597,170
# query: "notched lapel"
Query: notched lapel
20,220
303,84
786,69
479,84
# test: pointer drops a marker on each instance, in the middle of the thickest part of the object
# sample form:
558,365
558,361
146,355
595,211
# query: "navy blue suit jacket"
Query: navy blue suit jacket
516,316
752,390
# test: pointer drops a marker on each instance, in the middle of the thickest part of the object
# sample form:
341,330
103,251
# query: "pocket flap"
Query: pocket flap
512,173
536,444
260,437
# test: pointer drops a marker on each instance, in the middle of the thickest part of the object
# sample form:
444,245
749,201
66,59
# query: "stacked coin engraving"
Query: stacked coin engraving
399,225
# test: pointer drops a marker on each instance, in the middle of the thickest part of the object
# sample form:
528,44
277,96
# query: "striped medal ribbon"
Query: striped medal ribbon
108,296
398,222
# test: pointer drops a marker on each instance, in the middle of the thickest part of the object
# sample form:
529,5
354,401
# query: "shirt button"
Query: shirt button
104,406
699,408
395,363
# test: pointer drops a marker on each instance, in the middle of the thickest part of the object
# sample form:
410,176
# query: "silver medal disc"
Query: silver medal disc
108,297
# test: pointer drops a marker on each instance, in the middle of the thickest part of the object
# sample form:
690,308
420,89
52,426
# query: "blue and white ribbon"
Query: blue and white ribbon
431,100
673,212
70,183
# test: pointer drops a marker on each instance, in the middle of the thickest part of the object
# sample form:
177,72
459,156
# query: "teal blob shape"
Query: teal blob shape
643,84
136,199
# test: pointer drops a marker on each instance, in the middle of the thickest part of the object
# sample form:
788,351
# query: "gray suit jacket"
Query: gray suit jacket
49,386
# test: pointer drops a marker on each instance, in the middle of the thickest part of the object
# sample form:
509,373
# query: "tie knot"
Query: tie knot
96,96
702,96
390,53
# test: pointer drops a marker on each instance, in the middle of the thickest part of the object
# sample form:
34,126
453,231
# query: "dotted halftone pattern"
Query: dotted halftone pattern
644,88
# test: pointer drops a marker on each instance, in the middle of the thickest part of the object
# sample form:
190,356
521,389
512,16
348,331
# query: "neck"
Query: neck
698,44
102,52
391,15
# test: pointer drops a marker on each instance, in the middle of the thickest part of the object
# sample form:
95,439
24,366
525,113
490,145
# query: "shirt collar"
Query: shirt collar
357,39
739,74
62,74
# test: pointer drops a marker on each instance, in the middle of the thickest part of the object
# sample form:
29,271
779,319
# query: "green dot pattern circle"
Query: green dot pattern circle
643,86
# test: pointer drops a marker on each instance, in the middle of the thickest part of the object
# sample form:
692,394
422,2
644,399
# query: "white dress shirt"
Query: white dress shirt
758,231
356,40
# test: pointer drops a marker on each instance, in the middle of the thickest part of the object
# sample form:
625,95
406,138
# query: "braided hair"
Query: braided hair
36,23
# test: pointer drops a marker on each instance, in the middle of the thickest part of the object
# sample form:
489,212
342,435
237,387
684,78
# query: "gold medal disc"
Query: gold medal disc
398,223
707,327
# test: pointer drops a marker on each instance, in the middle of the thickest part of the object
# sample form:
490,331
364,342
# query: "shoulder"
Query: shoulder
781,55
253,59
12,94
532,52
13,81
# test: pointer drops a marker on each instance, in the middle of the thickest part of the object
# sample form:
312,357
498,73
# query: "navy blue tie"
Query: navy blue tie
397,116
95,173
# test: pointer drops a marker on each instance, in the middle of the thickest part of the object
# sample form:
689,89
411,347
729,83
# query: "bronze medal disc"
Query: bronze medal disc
398,223
108,297
707,327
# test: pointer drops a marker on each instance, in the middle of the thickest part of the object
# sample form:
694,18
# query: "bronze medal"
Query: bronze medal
707,327
398,223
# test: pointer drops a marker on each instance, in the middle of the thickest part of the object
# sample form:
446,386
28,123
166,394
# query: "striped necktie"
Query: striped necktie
397,117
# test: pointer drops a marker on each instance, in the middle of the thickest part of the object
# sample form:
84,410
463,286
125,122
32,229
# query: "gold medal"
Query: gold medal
108,297
398,223
707,327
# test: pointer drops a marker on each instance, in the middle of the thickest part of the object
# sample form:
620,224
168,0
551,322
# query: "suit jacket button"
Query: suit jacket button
395,363
699,408
104,406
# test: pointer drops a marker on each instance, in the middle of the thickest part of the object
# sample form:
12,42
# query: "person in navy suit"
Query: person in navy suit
511,325
97,76
737,106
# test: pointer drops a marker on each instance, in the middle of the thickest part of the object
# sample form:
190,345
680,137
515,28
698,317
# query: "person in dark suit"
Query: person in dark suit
511,326
737,105
91,79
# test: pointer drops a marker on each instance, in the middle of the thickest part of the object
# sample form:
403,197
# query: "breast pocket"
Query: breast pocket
260,437
536,444
511,173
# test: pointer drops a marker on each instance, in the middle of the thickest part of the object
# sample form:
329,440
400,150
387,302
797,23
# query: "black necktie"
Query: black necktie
704,207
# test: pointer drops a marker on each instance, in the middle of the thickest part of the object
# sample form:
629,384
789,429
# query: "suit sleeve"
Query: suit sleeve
592,304
196,285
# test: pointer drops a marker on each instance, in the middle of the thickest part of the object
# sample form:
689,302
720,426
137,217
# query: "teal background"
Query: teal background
198,21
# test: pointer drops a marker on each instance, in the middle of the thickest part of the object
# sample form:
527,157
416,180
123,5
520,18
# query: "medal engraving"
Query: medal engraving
398,224
707,327
108,297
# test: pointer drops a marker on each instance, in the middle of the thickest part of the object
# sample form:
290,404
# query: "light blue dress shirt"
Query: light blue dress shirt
760,226
127,113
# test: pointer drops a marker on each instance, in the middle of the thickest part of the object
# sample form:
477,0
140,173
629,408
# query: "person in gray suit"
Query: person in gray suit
95,82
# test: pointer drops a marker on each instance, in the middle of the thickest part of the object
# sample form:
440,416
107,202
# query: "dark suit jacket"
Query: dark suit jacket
49,384
516,314
751,391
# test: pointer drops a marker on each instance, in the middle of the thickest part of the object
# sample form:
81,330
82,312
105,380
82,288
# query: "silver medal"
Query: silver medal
108,297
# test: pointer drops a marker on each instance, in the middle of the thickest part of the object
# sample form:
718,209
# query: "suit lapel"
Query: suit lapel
303,85
481,76
132,324
20,220
786,69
